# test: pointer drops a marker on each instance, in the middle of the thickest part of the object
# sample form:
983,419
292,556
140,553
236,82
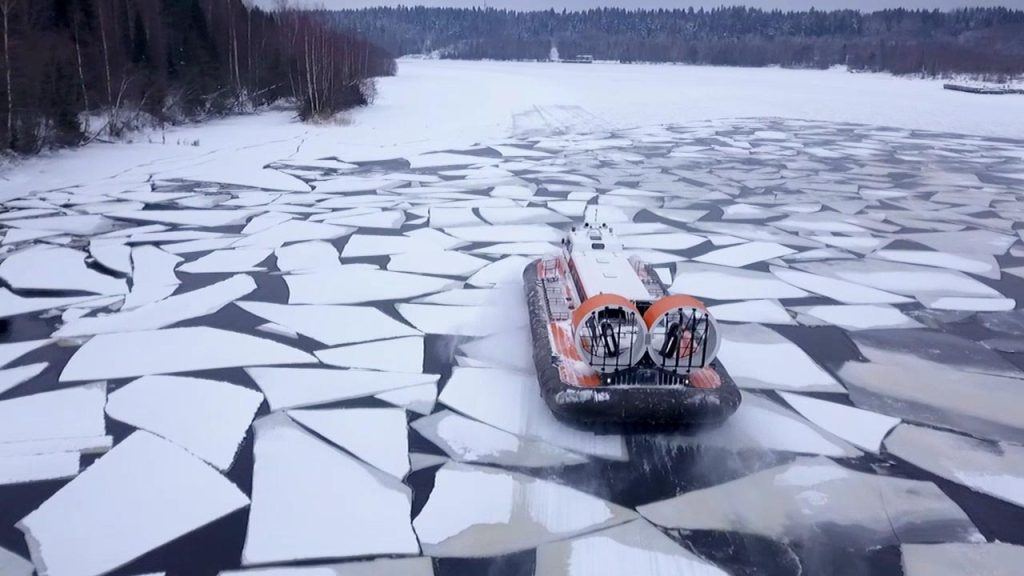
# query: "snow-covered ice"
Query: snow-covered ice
357,285
397,354
861,428
56,268
725,283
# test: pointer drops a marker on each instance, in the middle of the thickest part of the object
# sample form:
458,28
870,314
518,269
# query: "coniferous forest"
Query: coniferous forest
983,41
75,69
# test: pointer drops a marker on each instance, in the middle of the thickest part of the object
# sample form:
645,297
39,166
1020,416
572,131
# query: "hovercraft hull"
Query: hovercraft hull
646,401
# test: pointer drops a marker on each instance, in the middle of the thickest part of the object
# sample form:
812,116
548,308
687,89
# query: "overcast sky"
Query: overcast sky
583,4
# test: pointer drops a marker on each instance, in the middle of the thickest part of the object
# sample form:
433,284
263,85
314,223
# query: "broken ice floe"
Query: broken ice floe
758,357
397,354
113,502
456,321
745,254
418,566
12,377
981,264
904,279
13,565
331,325
12,304
226,261
56,268
511,401
377,436
861,428
61,414
467,440
313,501
838,290
113,255
439,262
996,469
635,548
292,231
311,256
206,417
725,283
298,387
760,424
356,285
956,559
475,512
756,311
25,468
508,270
860,317
200,217
951,394
200,302
419,399
814,498
173,350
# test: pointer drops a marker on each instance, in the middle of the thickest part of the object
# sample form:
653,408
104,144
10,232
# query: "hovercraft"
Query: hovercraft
613,347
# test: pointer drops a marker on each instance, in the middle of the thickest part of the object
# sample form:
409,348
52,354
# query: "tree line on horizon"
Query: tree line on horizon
72,70
979,41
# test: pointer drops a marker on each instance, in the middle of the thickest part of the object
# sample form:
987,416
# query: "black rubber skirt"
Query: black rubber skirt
632,406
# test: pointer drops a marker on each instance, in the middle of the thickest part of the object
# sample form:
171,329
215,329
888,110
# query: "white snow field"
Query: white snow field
304,349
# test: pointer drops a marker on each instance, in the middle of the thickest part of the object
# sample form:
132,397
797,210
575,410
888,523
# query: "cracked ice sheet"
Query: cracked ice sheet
955,559
69,413
905,279
745,254
815,498
459,320
838,290
124,355
510,401
723,283
634,548
758,357
357,285
398,354
418,566
79,225
760,424
299,387
310,501
56,268
331,325
113,502
377,436
226,261
467,440
208,418
861,317
861,428
670,241
478,512
986,467
440,262
201,302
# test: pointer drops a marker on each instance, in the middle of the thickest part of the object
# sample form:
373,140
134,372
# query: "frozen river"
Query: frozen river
260,347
